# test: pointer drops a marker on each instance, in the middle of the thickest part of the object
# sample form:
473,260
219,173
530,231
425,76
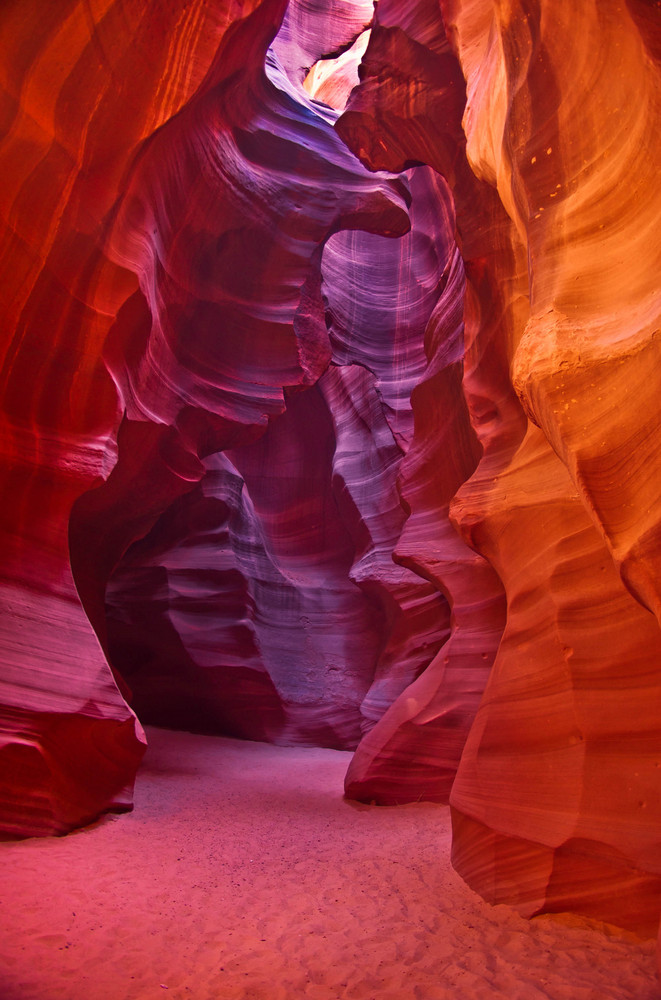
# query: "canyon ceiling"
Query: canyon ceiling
330,402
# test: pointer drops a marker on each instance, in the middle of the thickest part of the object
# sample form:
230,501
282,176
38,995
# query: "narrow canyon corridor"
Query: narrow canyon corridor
330,455
243,874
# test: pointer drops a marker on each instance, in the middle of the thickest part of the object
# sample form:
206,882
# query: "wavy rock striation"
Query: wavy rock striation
557,796
413,752
133,230
68,78
237,248
587,828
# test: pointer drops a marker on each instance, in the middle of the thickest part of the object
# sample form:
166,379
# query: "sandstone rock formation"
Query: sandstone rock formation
553,795
310,617
310,420
179,275
81,93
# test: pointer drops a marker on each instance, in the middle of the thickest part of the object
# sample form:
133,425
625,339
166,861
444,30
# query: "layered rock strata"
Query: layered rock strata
81,91
108,249
181,253
558,784
312,607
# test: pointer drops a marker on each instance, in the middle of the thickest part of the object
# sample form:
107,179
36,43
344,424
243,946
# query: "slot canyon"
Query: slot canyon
330,429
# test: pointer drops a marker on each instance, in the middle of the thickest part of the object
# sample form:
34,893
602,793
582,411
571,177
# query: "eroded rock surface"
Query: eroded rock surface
81,92
143,233
552,798
237,258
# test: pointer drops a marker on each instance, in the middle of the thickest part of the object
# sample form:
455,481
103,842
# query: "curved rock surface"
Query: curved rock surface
116,206
82,93
246,582
68,78
295,575
216,252
557,794
591,316
414,751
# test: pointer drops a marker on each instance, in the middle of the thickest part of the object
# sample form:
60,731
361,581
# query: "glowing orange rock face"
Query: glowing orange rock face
578,645
557,796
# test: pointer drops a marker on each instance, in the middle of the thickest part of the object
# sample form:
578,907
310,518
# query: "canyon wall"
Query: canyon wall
556,800
338,425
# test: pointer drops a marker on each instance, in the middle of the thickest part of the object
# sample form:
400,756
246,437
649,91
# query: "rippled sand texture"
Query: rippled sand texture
243,874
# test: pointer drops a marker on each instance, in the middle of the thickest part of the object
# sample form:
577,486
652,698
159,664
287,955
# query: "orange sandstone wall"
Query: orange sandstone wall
565,130
556,802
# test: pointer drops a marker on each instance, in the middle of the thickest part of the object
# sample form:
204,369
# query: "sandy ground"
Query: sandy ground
242,874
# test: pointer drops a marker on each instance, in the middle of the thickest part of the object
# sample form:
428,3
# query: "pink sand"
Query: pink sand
243,874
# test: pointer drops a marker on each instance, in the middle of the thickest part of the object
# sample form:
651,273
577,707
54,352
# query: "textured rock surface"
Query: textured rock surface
314,506
589,827
70,79
82,90
557,796
413,752
305,516
70,148
195,281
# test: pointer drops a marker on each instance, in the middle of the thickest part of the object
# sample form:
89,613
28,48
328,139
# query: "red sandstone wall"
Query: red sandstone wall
83,91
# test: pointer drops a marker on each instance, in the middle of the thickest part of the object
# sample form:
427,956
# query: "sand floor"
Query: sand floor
242,874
